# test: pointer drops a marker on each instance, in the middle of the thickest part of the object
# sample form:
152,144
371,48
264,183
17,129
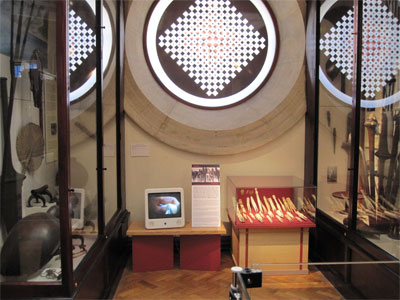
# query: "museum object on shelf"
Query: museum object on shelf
30,245
38,194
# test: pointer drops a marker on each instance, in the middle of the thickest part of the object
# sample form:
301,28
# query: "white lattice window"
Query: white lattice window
380,51
215,45
81,39
82,46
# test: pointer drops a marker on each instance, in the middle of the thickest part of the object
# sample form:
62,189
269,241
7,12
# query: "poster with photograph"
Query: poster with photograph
206,196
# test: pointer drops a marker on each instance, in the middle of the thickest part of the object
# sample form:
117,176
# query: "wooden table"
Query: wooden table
152,249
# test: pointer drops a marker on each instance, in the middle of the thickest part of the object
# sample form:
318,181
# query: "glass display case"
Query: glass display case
58,144
355,85
270,217
270,201
377,129
30,232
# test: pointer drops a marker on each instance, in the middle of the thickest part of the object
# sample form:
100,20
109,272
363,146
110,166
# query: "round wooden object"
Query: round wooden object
30,146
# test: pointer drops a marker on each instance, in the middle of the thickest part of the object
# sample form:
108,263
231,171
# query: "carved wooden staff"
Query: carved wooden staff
346,146
334,140
363,172
11,180
382,153
395,188
371,125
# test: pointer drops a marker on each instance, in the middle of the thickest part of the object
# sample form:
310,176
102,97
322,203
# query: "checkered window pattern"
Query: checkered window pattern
82,40
212,42
380,46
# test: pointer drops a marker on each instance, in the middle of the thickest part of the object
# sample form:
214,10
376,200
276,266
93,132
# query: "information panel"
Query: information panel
206,199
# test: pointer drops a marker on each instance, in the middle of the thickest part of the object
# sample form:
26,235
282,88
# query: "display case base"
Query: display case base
274,251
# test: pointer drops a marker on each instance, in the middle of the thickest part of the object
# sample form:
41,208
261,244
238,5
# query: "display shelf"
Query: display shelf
138,229
38,276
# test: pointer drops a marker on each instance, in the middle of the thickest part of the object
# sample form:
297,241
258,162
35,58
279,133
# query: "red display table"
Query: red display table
152,249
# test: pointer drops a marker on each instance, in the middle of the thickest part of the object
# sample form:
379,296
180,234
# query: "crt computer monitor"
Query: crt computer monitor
164,208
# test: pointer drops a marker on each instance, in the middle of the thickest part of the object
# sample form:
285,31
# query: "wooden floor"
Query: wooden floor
186,284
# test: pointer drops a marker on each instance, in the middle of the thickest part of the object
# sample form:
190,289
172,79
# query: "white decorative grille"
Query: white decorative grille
380,46
82,40
212,42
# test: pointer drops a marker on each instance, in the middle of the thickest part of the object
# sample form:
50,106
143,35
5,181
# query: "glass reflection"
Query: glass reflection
30,228
83,161
378,202
109,120
334,121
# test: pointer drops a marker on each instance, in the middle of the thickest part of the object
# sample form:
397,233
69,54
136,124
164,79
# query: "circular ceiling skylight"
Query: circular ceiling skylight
211,54
82,46
380,51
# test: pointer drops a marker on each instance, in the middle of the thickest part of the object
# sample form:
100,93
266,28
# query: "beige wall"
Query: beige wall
170,167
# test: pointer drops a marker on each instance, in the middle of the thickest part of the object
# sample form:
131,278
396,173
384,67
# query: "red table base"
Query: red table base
197,252
200,252
152,253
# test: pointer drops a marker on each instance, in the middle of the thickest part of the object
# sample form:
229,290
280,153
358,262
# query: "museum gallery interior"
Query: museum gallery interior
139,136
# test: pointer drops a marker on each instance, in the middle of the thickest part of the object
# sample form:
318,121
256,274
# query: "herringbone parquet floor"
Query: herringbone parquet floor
187,284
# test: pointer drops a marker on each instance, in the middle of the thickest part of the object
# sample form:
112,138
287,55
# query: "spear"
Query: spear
334,140
395,188
371,125
393,154
383,152
11,180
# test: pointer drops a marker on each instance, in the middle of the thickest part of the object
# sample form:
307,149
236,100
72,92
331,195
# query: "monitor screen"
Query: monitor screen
164,208
164,205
